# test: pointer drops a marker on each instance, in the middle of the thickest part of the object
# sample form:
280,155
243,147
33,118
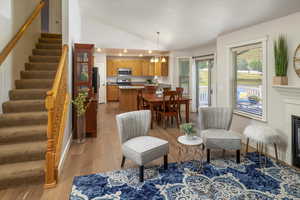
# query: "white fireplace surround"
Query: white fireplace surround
291,98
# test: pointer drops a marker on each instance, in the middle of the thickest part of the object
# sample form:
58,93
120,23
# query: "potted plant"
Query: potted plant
281,61
80,105
188,130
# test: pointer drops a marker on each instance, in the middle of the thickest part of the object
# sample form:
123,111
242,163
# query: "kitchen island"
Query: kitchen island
128,97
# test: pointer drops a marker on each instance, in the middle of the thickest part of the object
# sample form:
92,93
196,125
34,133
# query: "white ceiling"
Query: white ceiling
182,23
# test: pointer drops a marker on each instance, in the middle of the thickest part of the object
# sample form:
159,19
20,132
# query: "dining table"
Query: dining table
154,100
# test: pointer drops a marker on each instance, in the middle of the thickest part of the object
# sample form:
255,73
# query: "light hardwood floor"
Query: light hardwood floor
97,155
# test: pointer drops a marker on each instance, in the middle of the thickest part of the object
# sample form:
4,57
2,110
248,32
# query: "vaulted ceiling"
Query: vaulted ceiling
182,23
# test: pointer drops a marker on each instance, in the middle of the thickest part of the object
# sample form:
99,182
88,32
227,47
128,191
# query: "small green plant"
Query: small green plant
188,129
80,103
281,56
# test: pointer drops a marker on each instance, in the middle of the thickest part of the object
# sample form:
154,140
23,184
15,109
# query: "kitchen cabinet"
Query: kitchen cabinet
139,67
162,69
145,67
112,93
136,67
112,69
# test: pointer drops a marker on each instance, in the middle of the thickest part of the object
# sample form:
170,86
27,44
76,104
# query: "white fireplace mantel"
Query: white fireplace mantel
288,90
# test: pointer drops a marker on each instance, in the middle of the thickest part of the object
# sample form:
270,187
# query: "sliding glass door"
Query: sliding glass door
203,82
184,75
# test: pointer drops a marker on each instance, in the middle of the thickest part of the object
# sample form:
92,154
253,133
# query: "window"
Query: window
184,75
249,89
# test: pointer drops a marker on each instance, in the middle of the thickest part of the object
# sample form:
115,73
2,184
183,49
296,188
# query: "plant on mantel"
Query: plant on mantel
281,61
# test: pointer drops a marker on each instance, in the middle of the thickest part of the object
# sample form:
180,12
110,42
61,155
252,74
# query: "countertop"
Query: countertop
128,87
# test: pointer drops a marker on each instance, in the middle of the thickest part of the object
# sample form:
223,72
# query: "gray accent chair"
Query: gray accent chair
133,128
216,122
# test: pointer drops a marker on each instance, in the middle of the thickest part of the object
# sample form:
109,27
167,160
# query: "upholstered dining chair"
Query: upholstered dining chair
215,125
133,128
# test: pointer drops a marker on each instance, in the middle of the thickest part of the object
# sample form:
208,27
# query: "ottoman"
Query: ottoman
222,139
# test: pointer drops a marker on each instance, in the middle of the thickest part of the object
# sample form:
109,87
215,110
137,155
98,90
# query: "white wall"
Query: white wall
71,30
289,26
13,14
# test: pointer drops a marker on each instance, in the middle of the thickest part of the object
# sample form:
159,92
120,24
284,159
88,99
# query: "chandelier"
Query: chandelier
158,58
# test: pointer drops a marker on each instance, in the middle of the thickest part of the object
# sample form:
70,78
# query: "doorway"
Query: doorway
203,81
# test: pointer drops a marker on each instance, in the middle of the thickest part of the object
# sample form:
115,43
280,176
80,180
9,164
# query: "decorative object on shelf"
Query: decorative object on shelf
188,130
81,106
297,61
281,61
158,58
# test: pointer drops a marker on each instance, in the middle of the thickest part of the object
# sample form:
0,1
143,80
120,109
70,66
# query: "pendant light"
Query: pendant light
157,59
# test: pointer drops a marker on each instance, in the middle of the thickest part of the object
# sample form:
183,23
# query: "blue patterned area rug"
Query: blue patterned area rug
221,179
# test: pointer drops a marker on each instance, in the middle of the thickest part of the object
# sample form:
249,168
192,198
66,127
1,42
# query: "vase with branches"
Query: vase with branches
281,61
80,105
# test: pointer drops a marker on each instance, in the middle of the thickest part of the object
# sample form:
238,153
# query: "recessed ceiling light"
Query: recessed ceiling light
149,51
98,49
125,50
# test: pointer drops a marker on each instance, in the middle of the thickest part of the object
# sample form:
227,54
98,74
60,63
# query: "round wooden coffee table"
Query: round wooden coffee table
191,149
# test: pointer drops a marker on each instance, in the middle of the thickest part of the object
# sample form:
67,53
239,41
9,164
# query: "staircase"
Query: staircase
23,124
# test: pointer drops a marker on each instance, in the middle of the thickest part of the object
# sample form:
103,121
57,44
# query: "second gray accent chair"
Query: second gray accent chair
216,122
133,128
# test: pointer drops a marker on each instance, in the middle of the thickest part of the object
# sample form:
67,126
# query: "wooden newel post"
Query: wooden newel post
50,177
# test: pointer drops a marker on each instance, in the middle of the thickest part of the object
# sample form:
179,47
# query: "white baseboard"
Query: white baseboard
64,155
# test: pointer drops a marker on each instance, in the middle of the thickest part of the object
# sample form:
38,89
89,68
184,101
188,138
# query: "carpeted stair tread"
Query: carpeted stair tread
38,74
23,106
47,52
20,152
23,119
27,94
23,134
50,40
42,45
44,59
41,66
22,173
34,83
51,35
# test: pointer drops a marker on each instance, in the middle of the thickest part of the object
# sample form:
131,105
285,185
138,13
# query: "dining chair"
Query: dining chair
150,89
133,128
141,104
180,92
170,107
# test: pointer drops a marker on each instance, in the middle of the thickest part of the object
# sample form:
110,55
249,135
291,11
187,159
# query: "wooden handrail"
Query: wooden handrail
59,71
57,104
11,44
